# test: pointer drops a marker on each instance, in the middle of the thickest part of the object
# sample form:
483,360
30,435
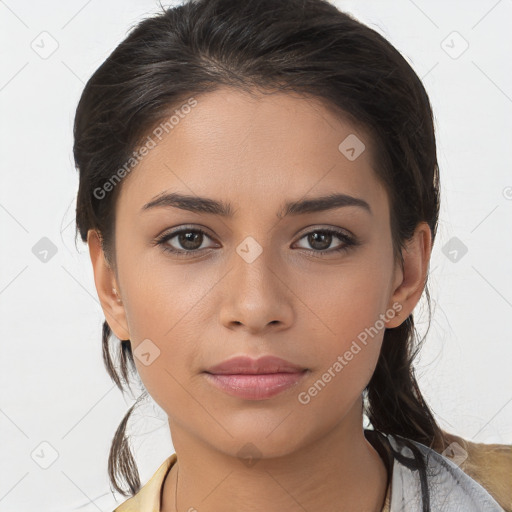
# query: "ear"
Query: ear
409,282
105,281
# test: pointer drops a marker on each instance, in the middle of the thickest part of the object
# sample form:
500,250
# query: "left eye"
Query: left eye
191,240
321,240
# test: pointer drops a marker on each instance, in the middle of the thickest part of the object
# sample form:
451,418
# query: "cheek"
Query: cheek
343,304
162,295
344,363
161,309
165,367
345,325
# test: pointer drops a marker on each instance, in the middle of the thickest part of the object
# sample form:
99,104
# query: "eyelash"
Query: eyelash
348,241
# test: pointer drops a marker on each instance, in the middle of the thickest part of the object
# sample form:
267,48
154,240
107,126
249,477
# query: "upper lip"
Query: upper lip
248,365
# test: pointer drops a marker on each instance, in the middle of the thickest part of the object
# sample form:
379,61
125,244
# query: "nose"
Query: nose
256,296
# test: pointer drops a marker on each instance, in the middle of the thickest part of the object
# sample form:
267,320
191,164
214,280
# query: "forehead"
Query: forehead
257,147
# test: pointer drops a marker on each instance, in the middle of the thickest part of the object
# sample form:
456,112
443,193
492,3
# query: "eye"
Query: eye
188,240
321,239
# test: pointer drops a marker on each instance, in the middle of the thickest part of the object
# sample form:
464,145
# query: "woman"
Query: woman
259,193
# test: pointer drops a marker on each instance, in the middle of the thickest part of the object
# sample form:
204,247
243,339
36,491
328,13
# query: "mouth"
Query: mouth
255,386
255,379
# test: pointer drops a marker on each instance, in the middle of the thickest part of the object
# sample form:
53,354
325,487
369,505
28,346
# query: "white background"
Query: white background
54,388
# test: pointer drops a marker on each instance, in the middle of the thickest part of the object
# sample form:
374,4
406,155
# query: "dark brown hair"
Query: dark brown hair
303,46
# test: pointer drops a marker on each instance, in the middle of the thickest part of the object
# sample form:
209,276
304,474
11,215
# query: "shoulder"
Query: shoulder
420,473
148,497
489,464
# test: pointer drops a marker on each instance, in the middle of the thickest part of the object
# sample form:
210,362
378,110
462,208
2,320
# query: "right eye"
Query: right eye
190,241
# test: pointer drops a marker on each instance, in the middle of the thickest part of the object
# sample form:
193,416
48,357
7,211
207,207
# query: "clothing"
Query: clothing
450,489
148,498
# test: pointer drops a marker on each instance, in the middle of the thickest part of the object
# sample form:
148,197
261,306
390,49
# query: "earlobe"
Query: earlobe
106,287
416,256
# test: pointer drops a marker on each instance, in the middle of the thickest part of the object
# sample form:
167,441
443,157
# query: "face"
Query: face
313,286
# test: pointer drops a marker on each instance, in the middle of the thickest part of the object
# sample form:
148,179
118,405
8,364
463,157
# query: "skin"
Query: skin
256,153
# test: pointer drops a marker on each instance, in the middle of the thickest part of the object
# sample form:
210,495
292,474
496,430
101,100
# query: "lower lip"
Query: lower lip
255,386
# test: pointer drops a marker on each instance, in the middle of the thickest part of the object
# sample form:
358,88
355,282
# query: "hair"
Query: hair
308,47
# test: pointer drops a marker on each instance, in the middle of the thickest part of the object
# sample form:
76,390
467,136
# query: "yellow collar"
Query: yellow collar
148,497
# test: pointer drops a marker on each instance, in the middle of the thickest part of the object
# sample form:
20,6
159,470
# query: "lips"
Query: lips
255,379
243,365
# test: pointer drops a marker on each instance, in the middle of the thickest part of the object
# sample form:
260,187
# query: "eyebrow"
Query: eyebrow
206,205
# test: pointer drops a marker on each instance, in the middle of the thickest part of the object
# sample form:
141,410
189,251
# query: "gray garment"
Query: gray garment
450,489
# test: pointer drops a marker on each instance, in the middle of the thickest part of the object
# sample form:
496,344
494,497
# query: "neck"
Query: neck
340,468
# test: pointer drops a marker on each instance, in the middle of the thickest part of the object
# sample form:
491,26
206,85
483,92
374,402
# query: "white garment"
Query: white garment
450,489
